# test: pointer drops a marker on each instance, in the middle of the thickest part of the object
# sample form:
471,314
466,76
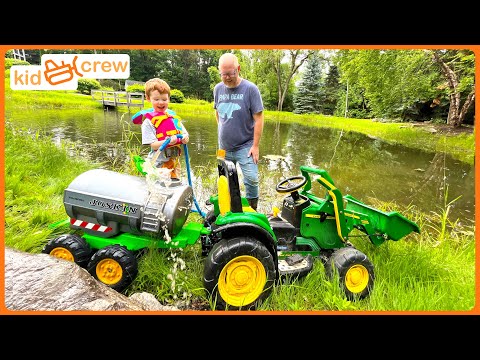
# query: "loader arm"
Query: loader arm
333,194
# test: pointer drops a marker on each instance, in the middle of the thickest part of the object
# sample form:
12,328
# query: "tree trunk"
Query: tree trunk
283,88
456,113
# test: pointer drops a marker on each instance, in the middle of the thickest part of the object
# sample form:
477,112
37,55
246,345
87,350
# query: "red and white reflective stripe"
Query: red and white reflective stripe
90,226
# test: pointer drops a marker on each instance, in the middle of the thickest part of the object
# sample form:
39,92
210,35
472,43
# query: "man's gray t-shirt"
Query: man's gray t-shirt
235,107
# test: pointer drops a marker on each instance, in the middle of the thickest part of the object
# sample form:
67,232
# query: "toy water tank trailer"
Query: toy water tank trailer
124,204
120,214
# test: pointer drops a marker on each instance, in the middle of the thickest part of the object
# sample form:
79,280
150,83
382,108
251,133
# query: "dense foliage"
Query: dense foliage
400,85
85,86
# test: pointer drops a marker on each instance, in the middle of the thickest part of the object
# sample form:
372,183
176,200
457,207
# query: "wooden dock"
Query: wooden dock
118,98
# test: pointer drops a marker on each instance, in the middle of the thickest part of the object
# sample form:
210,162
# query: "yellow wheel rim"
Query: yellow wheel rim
62,253
242,281
356,279
109,271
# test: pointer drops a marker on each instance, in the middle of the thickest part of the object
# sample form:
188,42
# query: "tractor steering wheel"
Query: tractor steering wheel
293,184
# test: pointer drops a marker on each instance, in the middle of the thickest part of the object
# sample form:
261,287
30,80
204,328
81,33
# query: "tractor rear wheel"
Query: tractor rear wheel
69,247
239,273
355,272
114,266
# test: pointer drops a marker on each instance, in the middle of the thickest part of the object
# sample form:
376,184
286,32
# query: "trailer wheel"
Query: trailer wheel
355,272
114,266
69,247
239,273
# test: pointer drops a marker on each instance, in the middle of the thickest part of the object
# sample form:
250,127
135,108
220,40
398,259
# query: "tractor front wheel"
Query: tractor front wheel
355,272
239,273
69,247
114,266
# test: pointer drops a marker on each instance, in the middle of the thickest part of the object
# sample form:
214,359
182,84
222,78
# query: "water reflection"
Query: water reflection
361,166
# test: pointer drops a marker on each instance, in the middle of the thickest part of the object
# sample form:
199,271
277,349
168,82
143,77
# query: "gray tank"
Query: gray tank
105,203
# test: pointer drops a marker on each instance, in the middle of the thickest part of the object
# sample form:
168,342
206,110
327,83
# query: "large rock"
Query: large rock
44,282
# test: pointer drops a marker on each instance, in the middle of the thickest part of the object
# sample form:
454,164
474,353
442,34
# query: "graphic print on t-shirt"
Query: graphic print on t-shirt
225,110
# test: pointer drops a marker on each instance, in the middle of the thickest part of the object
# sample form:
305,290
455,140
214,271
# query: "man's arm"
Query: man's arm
257,135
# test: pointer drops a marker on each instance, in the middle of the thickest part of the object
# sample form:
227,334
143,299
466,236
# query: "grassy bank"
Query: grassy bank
460,146
22,99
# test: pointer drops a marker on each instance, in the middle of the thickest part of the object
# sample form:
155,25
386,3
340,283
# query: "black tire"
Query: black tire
245,260
115,266
69,247
355,272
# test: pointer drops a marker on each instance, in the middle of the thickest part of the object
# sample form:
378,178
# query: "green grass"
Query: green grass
431,271
36,173
36,99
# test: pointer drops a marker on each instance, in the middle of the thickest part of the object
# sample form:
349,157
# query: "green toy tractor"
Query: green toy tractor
245,252
248,251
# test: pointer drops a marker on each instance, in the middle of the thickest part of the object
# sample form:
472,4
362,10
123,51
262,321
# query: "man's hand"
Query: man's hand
254,151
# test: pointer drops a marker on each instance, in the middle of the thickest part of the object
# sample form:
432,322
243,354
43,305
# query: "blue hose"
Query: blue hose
187,163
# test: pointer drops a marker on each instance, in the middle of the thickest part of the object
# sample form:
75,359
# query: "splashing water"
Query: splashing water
156,174
159,187
155,177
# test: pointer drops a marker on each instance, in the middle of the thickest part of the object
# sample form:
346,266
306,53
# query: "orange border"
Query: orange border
5,311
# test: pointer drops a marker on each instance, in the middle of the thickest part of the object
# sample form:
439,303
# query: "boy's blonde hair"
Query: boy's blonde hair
157,84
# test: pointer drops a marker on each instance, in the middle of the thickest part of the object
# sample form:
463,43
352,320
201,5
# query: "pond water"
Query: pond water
363,167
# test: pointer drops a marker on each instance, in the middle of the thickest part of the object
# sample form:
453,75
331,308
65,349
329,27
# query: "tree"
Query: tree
458,68
143,64
297,58
283,64
308,97
390,81
412,84
187,71
330,91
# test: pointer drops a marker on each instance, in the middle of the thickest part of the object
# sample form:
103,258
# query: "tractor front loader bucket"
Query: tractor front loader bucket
389,226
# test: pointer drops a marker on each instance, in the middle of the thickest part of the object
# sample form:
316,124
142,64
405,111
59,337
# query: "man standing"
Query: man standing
239,112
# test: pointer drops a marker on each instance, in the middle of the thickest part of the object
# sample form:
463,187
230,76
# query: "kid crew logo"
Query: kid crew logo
61,71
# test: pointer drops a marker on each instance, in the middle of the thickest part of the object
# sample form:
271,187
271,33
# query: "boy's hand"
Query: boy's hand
185,139
173,140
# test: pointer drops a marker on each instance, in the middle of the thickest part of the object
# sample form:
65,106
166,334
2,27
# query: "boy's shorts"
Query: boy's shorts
172,165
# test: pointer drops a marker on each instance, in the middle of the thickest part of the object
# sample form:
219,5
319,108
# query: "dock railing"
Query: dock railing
119,98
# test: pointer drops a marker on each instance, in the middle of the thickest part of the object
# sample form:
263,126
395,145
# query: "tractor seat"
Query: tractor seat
229,198
225,199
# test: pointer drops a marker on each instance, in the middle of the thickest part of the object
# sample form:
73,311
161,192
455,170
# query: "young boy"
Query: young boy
159,124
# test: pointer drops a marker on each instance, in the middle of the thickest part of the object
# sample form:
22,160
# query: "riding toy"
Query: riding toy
245,252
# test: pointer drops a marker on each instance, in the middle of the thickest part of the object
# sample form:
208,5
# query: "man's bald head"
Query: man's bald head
229,68
228,60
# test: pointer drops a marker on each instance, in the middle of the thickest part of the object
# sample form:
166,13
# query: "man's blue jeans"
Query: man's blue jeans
249,170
